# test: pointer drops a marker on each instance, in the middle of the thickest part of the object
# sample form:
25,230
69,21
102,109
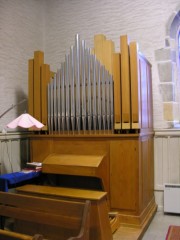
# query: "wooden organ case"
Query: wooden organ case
118,156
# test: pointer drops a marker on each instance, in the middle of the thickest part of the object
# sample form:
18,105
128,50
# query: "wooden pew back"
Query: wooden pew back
55,219
100,228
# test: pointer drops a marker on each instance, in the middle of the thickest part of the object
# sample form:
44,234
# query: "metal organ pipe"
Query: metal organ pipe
80,95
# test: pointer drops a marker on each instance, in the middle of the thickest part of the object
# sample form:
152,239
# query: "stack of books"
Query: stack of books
33,167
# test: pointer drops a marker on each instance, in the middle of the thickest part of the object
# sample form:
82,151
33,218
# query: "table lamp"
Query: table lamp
25,120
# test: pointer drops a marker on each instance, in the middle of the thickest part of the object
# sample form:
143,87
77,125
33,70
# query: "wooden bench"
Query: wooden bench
52,218
100,228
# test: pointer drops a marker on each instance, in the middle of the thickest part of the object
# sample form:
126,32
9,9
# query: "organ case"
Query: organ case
122,134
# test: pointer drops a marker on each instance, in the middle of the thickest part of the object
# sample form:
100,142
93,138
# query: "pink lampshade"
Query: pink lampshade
25,121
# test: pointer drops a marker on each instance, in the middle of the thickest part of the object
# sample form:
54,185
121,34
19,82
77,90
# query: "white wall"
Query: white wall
50,26
21,33
145,21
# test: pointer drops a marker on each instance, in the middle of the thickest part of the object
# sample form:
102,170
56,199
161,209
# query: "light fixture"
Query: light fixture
25,120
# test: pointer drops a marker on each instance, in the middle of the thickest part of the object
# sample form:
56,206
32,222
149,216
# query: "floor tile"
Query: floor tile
157,230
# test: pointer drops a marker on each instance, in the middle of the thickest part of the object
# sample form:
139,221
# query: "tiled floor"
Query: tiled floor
159,226
156,231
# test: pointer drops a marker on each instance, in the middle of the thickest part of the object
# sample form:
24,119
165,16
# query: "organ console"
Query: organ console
98,134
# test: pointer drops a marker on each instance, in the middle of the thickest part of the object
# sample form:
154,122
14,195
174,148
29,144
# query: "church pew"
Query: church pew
52,218
99,226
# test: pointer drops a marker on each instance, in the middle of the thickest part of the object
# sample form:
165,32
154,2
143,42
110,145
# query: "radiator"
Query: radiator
172,198
166,158
14,152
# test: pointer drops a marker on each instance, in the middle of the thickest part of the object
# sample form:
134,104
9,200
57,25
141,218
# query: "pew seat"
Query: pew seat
53,219
100,228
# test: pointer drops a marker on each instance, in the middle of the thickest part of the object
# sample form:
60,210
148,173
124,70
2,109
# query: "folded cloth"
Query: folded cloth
9,180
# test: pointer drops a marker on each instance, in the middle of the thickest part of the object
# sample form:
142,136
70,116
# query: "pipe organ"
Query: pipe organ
97,112
93,89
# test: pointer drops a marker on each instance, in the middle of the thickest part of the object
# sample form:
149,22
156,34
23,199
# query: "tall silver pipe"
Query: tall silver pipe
88,75
58,100
55,102
94,92
99,113
83,85
63,100
49,107
111,103
72,87
51,97
67,59
103,98
107,100
77,80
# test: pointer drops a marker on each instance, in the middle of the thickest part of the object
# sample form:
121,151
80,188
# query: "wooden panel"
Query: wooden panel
124,174
108,47
117,90
104,50
38,61
31,87
98,47
52,74
86,147
79,165
45,79
40,149
135,87
70,193
150,100
146,172
80,146
125,82
151,167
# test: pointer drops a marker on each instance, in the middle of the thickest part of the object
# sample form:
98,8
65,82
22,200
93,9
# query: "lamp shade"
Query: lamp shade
25,120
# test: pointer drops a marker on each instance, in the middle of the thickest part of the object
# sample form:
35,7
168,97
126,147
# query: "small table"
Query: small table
11,180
